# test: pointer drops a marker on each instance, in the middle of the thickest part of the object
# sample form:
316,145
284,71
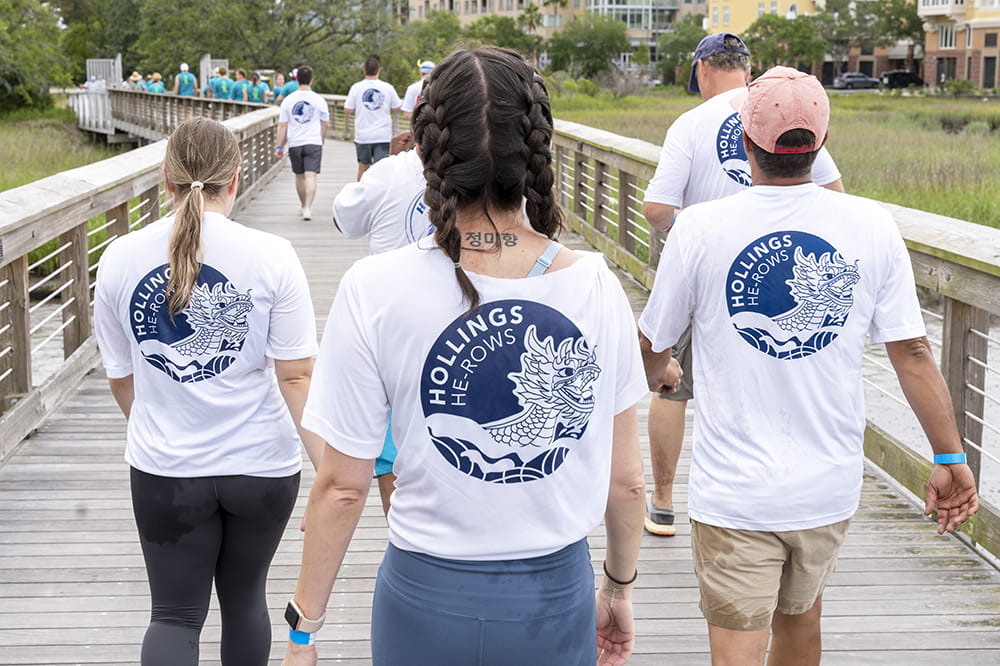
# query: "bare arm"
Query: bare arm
623,525
293,382
335,505
123,390
279,139
324,127
663,372
836,186
951,489
659,216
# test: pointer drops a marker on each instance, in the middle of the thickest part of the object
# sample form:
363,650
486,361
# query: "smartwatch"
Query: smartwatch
299,622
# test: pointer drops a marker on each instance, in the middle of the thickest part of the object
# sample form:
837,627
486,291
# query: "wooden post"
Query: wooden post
76,297
626,218
150,205
600,223
560,168
18,336
957,346
579,194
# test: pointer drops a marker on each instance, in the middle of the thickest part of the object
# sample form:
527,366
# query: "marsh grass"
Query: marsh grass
34,145
938,154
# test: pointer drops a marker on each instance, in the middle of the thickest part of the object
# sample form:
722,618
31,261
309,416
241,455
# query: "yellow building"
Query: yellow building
736,16
961,40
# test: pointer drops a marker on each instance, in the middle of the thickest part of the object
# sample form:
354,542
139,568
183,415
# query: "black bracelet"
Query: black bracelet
619,583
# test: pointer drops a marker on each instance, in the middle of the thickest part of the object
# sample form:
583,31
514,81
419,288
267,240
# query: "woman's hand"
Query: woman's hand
615,625
300,655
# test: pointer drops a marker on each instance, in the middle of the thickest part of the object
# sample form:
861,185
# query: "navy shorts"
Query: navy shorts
370,153
305,158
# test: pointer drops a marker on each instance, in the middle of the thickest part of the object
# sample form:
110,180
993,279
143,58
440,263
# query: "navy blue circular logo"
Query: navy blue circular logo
372,99
507,390
201,341
303,112
417,224
729,148
789,293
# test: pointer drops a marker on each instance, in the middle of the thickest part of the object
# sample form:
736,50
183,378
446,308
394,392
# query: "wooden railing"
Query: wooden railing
601,179
52,233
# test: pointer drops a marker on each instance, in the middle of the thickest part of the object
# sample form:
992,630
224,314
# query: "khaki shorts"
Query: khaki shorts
744,575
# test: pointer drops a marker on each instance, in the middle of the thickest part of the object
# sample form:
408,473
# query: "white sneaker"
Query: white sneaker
306,214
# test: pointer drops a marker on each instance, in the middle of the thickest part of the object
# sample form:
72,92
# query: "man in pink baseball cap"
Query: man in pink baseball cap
782,283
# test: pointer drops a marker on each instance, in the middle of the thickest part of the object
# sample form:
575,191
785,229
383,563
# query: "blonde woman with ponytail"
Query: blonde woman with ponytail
512,369
207,334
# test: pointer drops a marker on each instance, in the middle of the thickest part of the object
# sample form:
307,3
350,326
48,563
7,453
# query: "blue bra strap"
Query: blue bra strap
545,259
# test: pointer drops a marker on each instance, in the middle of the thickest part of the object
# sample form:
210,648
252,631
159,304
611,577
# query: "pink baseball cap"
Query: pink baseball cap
783,99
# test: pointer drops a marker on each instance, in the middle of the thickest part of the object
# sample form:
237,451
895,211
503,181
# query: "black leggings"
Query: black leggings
196,529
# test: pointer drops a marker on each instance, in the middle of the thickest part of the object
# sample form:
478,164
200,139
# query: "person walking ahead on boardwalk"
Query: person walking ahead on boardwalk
783,283
702,159
302,122
512,373
185,83
372,101
207,333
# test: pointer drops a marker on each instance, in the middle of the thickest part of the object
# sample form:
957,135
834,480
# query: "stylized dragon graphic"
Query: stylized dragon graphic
822,290
554,388
217,315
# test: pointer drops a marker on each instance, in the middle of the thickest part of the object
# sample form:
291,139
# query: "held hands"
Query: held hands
401,142
668,380
615,625
951,490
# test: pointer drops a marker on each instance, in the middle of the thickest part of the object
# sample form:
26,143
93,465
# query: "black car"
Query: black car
900,78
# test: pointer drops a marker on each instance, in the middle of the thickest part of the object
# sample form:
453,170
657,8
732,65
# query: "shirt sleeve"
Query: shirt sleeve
112,338
291,333
351,102
410,98
284,113
396,102
673,170
671,302
347,404
352,209
824,170
897,311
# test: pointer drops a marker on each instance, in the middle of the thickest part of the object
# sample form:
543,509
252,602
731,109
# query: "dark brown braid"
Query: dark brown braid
484,127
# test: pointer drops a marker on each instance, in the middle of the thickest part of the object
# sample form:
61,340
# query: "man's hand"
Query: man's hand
663,372
951,490
401,142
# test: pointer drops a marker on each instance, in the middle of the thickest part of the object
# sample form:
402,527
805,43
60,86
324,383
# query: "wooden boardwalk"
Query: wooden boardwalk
72,582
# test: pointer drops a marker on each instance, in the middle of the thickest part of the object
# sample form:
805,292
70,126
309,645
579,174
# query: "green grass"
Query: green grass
938,154
36,144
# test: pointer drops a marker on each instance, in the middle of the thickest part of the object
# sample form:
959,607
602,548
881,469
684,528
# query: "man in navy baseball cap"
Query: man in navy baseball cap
722,42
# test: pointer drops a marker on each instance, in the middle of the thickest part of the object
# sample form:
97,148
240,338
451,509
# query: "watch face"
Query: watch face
292,616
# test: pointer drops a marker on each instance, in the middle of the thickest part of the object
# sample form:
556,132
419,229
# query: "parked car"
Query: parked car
852,80
900,78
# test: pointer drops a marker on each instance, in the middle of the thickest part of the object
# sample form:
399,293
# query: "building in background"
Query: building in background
961,40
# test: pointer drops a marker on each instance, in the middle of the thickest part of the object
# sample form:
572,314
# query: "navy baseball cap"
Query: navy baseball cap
711,45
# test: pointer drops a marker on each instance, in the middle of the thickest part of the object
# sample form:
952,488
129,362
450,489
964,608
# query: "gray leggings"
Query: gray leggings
194,530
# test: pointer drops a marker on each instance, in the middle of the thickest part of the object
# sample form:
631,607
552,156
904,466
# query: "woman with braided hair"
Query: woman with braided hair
511,368
207,332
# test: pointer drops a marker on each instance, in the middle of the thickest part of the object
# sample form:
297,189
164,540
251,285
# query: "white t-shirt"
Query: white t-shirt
503,420
412,95
304,111
206,399
387,204
703,158
372,101
781,285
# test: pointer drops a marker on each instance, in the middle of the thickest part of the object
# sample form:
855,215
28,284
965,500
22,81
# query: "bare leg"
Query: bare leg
797,638
386,484
309,189
300,188
666,436
362,168
737,648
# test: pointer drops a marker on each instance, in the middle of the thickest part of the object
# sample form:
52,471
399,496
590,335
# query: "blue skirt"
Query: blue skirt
430,611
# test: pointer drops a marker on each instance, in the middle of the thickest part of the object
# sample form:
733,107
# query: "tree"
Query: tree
775,40
848,23
531,18
676,48
556,5
430,38
588,44
30,60
899,20
500,31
